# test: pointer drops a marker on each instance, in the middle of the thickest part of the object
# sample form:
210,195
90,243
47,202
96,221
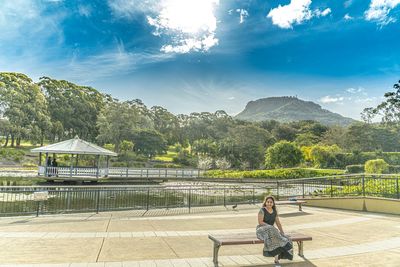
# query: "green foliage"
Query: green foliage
394,168
273,174
149,142
323,156
359,168
25,107
283,155
376,166
73,109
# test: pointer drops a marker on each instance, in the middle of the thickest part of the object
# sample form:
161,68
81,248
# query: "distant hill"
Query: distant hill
287,108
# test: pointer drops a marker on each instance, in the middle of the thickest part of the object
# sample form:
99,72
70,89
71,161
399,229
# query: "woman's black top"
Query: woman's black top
269,218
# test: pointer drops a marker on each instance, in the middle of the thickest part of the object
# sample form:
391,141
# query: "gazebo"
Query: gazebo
74,147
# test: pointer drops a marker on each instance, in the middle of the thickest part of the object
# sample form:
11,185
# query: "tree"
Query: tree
250,144
324,156
388,109
24,106
75,107
118,122
283,154
165,123
149,142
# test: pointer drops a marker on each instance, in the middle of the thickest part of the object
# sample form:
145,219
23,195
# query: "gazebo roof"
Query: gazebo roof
74,146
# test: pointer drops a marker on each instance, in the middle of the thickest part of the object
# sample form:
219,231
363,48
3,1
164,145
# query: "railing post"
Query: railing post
303,188
98,201
254,197
127,172
363,185
147,199
224,197
277,190
190,197
397,186
331,188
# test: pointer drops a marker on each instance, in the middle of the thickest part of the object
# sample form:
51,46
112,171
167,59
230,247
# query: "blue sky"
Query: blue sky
206,55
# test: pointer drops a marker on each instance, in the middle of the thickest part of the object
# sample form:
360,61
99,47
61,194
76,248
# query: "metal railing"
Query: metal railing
16,200
386,186
21,200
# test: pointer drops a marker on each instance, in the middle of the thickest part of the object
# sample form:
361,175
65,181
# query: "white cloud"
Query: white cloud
331,99
243,14
323,13
348,17
354,90
85,11
379,10
296,12
231,98
186,25
348,3
190,25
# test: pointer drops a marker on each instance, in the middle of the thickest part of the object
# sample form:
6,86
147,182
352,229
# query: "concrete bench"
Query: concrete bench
291,202
250,238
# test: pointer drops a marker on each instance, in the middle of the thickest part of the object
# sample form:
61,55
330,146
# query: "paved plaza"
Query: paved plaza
175,238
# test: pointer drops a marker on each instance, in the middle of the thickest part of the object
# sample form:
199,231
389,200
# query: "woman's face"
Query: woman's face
269,203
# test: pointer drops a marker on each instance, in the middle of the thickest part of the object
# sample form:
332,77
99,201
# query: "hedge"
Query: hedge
359,168
288,173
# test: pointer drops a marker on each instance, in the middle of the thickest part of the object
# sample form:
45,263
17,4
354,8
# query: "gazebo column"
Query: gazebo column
97,165
40,162
47,160
76,163
108,163
71,165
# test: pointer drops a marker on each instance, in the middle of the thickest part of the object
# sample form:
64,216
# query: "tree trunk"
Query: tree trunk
6,143
12,140
18,142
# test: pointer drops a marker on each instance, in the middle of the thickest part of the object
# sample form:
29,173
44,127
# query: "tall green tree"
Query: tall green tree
75,107
119,121
24,106
388,109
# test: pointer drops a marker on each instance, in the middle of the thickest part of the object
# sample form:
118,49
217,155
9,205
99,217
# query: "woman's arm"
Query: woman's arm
278,223
261,217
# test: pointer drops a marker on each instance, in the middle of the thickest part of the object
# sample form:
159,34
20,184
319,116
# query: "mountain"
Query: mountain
288,108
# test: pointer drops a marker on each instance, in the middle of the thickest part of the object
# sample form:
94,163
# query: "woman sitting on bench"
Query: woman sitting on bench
276,243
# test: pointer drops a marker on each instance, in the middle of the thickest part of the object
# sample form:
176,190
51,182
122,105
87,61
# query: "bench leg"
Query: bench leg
215,254
300,209
300,244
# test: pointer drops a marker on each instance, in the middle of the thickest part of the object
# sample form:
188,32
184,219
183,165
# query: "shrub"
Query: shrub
359,168
289,173
222,164
394,168
376,166
283,154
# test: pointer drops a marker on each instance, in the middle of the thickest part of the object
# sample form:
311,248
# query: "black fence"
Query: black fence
69,199
50,200
386,186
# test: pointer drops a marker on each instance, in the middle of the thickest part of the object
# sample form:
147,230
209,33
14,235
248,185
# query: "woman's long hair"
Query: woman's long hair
273,201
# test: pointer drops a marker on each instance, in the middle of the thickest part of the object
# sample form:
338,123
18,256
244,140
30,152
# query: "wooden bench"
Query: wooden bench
250,238
291,202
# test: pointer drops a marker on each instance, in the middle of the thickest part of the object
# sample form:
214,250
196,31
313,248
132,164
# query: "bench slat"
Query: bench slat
250,238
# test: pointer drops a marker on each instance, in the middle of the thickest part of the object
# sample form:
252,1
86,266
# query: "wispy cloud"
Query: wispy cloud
348,17
117,61
331,99
243,14
296,12
379,10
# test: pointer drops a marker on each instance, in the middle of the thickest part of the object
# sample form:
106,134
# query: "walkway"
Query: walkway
173,238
